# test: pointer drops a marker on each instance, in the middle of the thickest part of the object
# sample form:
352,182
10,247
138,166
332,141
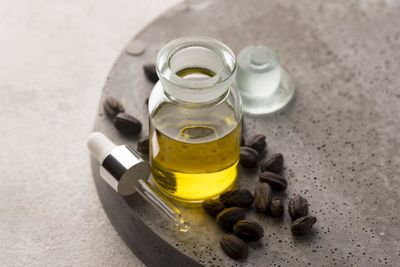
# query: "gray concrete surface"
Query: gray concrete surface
55,57
340,135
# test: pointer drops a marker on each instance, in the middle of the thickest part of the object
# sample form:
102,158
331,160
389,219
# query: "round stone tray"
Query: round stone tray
340,135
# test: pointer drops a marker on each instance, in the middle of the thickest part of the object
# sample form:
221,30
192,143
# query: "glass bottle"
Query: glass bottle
264,85
195,120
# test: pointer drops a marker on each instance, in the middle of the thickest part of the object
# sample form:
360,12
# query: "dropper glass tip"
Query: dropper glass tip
183,226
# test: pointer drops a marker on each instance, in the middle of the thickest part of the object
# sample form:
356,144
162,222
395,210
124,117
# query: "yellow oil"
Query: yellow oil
194,153
195,72
194,171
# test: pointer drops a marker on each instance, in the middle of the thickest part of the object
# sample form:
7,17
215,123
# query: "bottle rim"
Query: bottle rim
223,74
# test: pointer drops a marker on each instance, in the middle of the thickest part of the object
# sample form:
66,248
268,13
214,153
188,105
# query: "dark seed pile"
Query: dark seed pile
125,123
231,206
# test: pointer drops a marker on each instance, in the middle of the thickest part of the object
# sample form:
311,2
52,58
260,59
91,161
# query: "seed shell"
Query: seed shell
303,225
277,182
150,72
143,145
127,124
258,143
248,230
273,164
276,207
112,107
234,247
237,198
298,207
213,206
228,217
248,157
262,197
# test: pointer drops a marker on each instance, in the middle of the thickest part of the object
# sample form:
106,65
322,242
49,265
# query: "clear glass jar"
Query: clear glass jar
195,120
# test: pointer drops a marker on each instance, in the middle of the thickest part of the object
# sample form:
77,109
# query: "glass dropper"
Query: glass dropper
125,171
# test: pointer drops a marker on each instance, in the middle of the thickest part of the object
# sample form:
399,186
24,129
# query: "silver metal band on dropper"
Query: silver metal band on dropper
121,161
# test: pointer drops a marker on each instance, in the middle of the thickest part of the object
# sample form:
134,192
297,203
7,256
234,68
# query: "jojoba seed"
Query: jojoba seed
234,247
248,157
276,207
248,230
150,72
262,197
143,145
112,107
273,164
303,225
237,198
276,181
213,207
258,143
228,217
298,207
127,124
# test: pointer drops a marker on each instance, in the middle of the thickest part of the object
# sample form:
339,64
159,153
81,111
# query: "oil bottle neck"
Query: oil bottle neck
196,69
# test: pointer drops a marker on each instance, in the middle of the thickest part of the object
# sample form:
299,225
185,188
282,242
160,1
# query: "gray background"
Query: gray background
55,57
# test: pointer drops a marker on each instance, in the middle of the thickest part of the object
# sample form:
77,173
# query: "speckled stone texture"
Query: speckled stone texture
55,56
340,135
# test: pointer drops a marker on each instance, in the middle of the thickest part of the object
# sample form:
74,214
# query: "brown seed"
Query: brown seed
150,72
228,217
213,207
143,145
298,207
248,230
243,125
112,107
248,157
262,197
276,181
234,247
258,143
242,141
273,164
303,225
127,124
276,207
237,198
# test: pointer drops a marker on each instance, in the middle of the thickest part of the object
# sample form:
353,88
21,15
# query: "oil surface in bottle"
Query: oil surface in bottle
194,153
